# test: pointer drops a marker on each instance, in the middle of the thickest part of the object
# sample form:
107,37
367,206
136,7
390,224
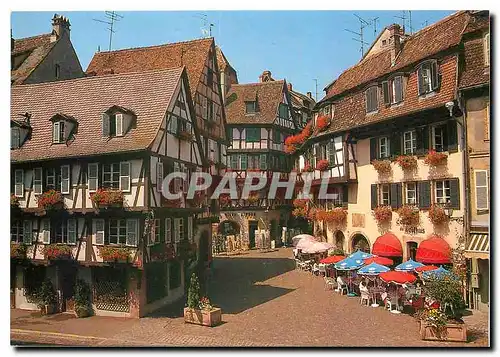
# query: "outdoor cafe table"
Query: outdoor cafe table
374,291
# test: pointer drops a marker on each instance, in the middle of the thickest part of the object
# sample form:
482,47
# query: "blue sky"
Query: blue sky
297,45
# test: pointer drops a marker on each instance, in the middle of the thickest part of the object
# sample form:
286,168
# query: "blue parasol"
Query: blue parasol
373,269
360,255
410,265
349,264
438,273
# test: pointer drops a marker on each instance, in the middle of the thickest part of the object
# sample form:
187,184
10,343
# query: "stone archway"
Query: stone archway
359,241
339,239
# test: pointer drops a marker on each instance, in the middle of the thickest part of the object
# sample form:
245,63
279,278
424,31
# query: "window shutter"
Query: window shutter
452,136
105,124
71,231
132,232
395,144
168,230
55,132
19,183
37,180
125,176
177,230
46,231
190,229
454,193
119,124
65,179
345,195
263,162
243,163
481,180
98,228
421,89
434,75
374,195
234,161
93,176
398,87
395,194
27,232
159,176
385,90
422,134
368,101
424,194
14,138
373,149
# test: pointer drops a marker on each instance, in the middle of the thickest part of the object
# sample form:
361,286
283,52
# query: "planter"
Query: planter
383,167
106,198
57,252
50,200
455,332
203,317
407,162
82,312
47,309
434,158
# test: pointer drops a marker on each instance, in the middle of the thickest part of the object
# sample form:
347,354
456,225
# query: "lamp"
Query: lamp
448,211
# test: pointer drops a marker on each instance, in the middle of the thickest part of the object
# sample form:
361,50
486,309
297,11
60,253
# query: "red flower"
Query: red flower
434,158
49,199
322,165
322,123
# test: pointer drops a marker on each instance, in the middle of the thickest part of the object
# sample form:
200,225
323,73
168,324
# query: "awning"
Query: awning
478,246
388,245
434,250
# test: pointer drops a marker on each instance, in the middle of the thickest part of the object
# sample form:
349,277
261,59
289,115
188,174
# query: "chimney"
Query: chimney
265,77
309,94
289,86
394,41
60,27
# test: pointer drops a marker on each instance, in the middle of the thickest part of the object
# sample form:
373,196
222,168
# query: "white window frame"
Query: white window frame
119,124
411,187
386,145
111,172
19,183
72,231
91,178
37,183
19,234
120,239
50,174
393,93
134,233
159,176
476,186
67,179
487,49
63,225
45,231
190,229
168,230
412,140
427,77
382,193
125,188
178,229
96,231
27,232
441,185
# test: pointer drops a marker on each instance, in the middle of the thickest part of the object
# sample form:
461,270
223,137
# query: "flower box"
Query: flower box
18,250
185,135
307,168
382,166
409,216
106,198
50,200
114,254
210,318
322,165
456,332
437,215
383,214
338,215
57,251
434,158
322,123
407,162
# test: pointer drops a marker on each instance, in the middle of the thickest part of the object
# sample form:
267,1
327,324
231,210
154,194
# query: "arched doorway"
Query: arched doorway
359,242
227,228
339,240
411,250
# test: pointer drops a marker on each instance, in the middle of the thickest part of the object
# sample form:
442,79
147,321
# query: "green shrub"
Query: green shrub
46,295
193,299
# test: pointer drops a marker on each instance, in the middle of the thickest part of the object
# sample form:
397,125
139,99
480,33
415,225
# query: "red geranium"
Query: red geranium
307,168
322,123
434,158
322,165
50,199
383,214
106,197
113,254
57,251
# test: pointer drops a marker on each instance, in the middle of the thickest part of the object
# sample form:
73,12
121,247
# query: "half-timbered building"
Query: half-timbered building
88,158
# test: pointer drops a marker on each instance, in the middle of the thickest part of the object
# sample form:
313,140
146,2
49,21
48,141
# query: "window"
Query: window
383,147
125,176
50,178
111,176
178,229
117,231
427,77
57,70
439,137
277,136
371,95
46,231
113,124
211,112
65,232
58,132
252,135
251,107
17,231
98,229
190,229
155,232
410,142
168,230
65,180
385,198
442,192
15,138
326,110
481,181
487,49
19,183
93,177
411,193
210,78
283,111
37,181
397,90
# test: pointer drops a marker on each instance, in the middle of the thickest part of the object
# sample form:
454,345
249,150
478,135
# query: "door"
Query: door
252,227
68,280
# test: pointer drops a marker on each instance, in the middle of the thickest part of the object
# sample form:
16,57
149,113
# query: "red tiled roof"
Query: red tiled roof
147,94
29,43
479,20
191,54
222,60
429,41
268,94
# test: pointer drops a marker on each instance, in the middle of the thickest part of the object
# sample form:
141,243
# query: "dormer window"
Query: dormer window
15,138
116,121
62,128
251,107
20,130
393,90
428,77
58,132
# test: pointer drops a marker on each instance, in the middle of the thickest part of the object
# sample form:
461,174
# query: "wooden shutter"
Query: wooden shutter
119,124
132,232
46,231
422,140
27,232
395,193
159,176
398,89
98,229
125,176
263,161
373,149
93,176
37,180
14,138
190,229
386,92
481,186
65,179
424,194
452,136
374,194
345,195
177,230
55,132
454,193
19,183
420,74
105,124
168,230
71,231
395,144
434,75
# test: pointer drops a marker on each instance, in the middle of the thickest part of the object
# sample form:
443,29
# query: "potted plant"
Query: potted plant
104,198
434,158
14,201
50,200
383,167
114,254
46,298
437,215
407,162
322,165
83,305
335,251
199,310
409,216
383,214
308,168
18,250
338,216
57,251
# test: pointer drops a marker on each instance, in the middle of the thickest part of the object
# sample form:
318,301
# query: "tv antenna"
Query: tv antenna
316,89
374,22
206,28
111,18
403,18
362,24
409,24
425,23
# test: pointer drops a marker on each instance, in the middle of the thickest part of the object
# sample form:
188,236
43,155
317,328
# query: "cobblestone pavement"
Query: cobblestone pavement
265,302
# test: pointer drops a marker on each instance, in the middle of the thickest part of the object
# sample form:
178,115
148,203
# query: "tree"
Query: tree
193,300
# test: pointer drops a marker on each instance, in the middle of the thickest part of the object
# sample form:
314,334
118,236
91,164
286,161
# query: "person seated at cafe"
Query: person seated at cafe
363,286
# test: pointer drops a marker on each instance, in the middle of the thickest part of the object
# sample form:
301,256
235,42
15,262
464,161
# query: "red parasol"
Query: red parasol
398,277
426,268
379,260
434,250
332,259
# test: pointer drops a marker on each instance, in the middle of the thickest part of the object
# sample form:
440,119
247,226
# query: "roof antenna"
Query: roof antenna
403,18
362,24
316,89
374,22
411,27
205,32
111,18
